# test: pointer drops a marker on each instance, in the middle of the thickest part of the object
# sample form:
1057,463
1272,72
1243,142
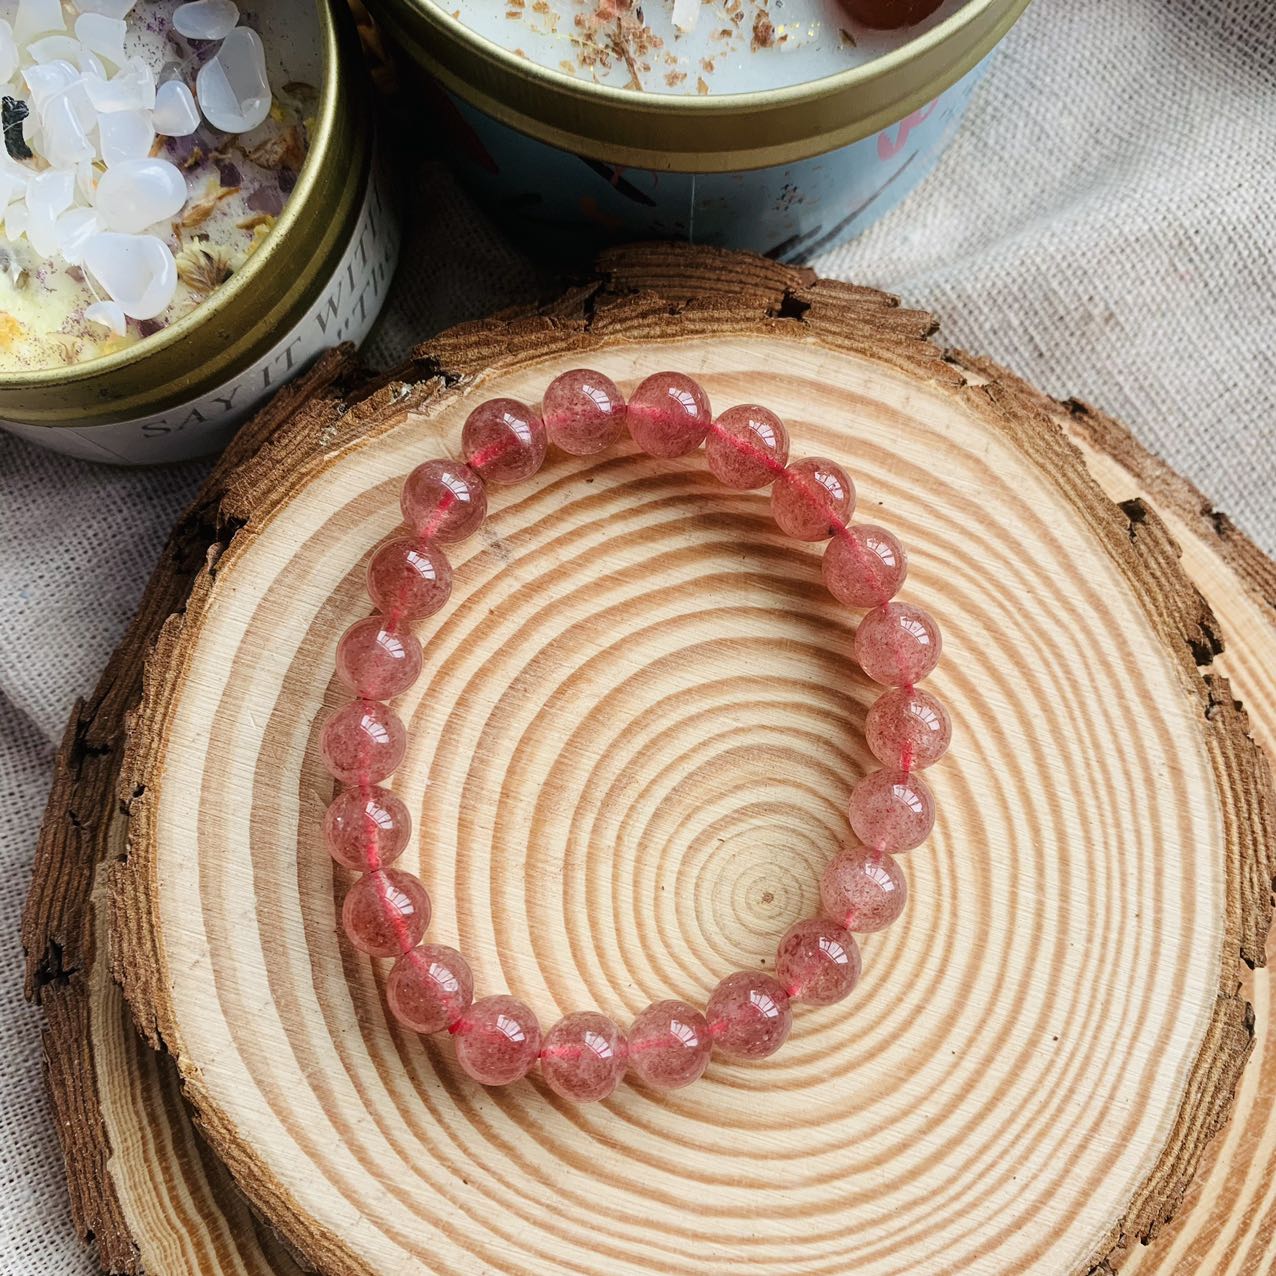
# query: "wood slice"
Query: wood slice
639,725
140,1180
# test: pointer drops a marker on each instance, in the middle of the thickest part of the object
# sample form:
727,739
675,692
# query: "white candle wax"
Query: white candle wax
686,46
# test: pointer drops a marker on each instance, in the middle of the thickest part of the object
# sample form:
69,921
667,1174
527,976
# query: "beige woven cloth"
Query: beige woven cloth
1104,225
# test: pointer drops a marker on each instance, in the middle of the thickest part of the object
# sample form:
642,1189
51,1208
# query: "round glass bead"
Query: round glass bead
366,828
818,962
497,1040
583,1057
669,414
429,988
897,644
443,501
747,447
385,913
749,1015
669,1045
864,566
909,728
504,440
862,889
409,578
812,498
363,742
377,660
583,411
892,810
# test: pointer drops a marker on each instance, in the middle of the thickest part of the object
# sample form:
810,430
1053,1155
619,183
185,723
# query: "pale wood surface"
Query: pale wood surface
936,1123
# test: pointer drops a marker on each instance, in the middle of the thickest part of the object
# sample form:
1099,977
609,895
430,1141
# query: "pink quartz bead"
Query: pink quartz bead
908,728
817,962
669,414
897,644
409,579
583,411
504,440
864,566
749,1015
497,1040
363,742
892,810
812,498
378,660
429,988
747,447
669,1045
583,1057
366,828
863,889
385,913
443,501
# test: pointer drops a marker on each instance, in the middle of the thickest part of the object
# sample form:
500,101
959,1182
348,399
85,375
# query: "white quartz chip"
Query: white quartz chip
137,193
64,141
232,87
8,52
51,47
124,135
206,19
73,230
107,313
102,35
108,8
138,271
35,17
48,78
130,89
48,194
176,114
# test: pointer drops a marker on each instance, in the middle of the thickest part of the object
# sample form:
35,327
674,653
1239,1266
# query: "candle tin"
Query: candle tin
318,279
786,172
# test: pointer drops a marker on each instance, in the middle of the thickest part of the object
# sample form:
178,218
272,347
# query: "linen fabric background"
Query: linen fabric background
1104,225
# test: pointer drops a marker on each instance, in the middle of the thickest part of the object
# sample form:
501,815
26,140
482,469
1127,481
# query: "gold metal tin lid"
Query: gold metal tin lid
696,134
242,319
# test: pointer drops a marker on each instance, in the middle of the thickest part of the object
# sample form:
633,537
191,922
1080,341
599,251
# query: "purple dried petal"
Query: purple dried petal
149,327
287,180
229,173
266,199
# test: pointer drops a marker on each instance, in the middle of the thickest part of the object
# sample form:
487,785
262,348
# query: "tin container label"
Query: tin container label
344,311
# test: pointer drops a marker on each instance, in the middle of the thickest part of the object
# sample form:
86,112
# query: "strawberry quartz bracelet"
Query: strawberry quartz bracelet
386,911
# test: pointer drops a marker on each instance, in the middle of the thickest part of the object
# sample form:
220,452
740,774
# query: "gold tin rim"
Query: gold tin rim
713,133
225,334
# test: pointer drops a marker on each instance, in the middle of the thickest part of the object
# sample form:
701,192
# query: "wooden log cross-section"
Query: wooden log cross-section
631,748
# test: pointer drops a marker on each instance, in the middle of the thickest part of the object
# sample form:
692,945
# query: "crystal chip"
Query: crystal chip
124,135
48,78
137,193
109,8
232,87
176,114
50,48
48,194
206,19
101,35
108,313
8,52
137,271
73,229
64,141
131,89
35,17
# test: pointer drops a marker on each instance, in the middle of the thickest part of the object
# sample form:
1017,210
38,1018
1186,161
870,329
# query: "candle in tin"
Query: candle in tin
782,126
146,158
